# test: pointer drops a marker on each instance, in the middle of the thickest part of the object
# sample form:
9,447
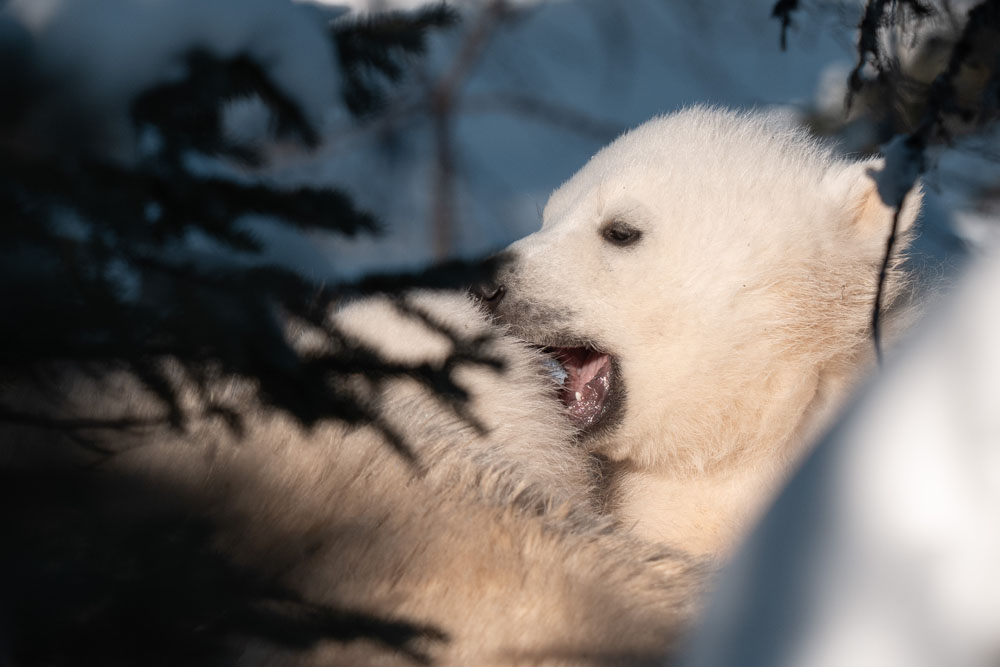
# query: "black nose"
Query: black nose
489,294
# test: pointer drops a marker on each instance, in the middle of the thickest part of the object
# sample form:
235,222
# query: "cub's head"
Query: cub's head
706,282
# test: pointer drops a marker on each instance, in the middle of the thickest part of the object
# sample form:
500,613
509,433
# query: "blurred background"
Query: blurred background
452,131
181,178
511,101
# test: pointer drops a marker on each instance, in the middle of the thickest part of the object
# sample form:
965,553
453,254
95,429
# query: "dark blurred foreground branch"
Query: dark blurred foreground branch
97,253
139,262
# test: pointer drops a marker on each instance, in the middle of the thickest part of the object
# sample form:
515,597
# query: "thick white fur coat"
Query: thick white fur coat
739,319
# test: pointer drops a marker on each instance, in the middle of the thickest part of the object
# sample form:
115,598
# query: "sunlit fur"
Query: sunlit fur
492,538
740,319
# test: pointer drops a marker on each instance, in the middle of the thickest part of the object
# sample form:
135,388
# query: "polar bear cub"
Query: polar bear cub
707,283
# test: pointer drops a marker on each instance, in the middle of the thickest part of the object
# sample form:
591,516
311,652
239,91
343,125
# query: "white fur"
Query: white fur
491,538
739,319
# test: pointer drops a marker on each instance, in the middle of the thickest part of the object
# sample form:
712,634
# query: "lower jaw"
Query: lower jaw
585,414
597,429
608,413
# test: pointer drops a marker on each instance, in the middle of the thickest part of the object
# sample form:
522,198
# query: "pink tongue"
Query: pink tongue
587,384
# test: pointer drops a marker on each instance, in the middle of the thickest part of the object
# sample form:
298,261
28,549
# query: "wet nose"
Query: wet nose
490,294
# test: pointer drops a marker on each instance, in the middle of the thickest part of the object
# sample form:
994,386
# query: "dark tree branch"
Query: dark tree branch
378,46
783,10
883,272
101,279
942,103
442,103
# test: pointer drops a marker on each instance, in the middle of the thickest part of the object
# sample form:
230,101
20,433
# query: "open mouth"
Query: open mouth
586,376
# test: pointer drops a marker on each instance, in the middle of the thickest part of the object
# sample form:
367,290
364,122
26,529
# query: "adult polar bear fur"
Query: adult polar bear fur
707,280
487,551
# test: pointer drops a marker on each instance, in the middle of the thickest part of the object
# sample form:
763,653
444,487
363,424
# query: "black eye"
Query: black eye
621,234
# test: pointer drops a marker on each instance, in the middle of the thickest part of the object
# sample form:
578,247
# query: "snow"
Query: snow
111,49
883,550
961,175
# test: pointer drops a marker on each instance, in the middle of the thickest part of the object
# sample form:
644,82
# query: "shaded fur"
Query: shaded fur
491,540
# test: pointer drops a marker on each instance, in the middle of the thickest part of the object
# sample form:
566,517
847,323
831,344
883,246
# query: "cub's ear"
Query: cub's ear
868,215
